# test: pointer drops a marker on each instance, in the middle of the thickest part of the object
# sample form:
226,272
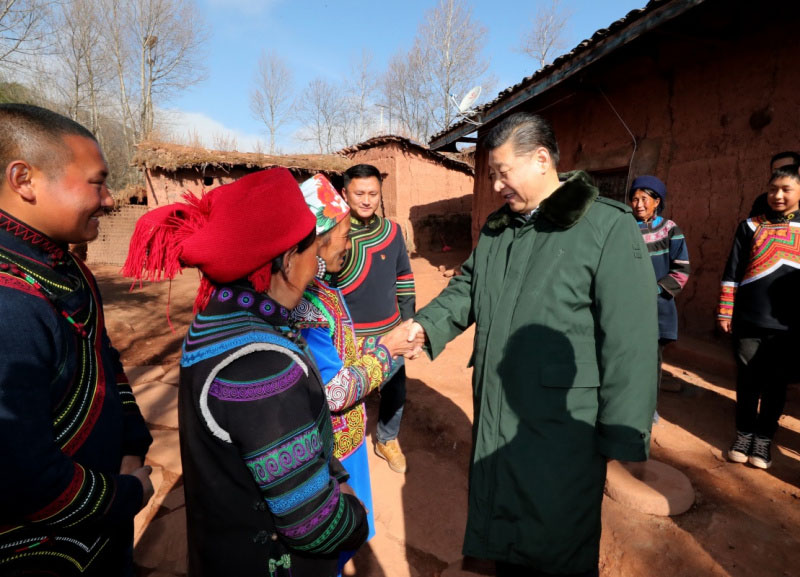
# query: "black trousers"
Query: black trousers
509,570
765,363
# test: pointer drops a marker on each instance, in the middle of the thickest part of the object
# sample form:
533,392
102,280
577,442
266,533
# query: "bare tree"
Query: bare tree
21,29
446,59
271,96
407,94
162,40
359,89
324,110
453,44
81,60
546,38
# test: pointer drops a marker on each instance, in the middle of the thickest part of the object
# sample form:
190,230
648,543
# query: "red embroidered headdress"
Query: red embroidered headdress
232,232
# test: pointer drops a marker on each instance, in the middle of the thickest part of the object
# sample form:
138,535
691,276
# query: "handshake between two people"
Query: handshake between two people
405,340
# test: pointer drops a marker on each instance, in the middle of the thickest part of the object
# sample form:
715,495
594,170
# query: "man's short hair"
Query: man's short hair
795,156
361,171
36,135
786,171
526,132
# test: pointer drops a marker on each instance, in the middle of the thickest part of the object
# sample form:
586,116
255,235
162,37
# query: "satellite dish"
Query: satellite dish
469,99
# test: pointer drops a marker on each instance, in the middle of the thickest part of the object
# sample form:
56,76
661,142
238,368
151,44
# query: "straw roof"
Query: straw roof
408,144
173,157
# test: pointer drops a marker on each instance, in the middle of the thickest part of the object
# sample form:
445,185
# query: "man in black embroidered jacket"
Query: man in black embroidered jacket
72,439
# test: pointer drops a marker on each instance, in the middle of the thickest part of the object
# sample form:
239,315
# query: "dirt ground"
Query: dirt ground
745,522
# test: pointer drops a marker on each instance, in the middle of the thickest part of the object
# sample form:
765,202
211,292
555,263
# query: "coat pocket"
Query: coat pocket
570,375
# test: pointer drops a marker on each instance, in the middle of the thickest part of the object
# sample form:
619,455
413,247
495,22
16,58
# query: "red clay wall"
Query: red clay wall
707,116
116,229
429,201
167,187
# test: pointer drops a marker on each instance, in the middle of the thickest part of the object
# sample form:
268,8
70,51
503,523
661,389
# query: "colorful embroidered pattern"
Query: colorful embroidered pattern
773,246
308,525
726,300
272,463
262,389
288,501
364,367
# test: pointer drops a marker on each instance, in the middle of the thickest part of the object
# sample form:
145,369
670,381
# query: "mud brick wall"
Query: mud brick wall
709,101
423,196
116,229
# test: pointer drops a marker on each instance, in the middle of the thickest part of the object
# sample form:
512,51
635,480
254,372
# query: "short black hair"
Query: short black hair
36,135
795,156
361,171
786,171
526,131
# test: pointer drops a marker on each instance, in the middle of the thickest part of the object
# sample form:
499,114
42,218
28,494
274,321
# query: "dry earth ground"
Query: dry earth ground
745,522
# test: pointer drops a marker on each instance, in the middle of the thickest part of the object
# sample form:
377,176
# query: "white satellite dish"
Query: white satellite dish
469,99
465,106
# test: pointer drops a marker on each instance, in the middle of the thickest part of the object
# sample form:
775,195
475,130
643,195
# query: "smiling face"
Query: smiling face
643,205
520,180
70,200
364,196
783,195
334,246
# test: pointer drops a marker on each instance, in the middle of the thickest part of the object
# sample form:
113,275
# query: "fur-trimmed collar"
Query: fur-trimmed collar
565,207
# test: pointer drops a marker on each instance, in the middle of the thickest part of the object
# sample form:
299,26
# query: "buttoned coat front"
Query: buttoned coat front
564,375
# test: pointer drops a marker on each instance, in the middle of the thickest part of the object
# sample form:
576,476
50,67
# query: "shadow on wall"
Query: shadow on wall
442,225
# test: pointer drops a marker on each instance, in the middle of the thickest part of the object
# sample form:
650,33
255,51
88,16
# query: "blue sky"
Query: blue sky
322,38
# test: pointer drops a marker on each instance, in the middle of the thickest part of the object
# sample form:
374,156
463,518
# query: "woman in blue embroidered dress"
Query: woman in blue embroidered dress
349,373
668,252
264,493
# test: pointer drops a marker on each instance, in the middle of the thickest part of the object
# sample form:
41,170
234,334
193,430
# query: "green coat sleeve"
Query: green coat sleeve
450,313
626,317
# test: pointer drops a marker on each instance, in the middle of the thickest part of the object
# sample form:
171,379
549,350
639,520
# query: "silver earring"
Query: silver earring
321,268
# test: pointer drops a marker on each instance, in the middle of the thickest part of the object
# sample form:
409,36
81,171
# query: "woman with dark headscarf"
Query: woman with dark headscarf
668,251
264,494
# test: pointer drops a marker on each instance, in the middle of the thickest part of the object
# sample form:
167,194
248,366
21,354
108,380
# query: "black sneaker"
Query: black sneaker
759,454
741,448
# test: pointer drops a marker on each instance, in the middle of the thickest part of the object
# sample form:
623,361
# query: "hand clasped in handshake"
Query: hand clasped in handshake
406,339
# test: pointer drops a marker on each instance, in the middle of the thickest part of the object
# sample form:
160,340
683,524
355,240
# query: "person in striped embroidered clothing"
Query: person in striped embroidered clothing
350,372
72,439
668,252
378,285
758,305
264,493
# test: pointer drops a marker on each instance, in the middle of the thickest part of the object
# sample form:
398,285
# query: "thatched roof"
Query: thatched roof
173,157
407,144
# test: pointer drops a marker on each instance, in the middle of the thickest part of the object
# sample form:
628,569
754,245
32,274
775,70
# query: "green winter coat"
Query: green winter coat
565,357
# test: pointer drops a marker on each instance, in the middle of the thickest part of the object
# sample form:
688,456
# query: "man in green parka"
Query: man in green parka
561,290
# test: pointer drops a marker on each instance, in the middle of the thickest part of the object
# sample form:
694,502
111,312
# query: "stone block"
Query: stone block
651,487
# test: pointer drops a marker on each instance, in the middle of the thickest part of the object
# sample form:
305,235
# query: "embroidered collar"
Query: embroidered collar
358,223
565,207
652,224
32,238
245,298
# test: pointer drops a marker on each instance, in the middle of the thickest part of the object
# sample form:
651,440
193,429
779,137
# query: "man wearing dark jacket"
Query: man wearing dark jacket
72,439
561,291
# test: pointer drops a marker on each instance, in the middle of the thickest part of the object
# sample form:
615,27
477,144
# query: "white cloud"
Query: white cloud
188,127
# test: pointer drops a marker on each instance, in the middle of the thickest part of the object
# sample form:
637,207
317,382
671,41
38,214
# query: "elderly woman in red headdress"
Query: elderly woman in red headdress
264,493
350,372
